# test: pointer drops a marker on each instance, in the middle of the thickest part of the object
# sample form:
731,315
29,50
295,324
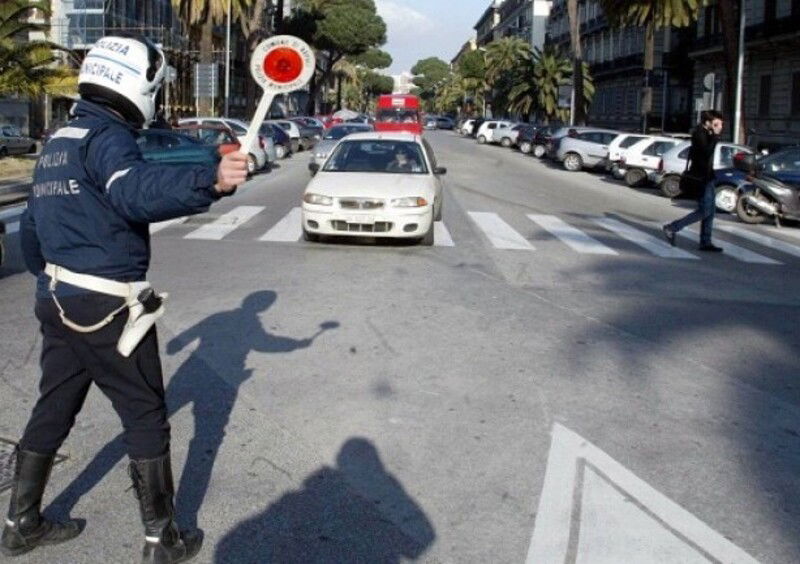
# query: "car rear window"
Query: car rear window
630,141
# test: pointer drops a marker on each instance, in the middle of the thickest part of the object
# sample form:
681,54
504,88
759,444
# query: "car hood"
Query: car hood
371,185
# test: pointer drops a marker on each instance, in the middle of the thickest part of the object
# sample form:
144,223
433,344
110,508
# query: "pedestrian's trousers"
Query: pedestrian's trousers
706,207
72,361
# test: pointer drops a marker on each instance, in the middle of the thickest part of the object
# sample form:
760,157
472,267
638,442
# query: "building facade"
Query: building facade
771,81
485,28
525,19
616,60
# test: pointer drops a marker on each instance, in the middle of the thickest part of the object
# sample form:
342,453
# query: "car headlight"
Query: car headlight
409,202
317,199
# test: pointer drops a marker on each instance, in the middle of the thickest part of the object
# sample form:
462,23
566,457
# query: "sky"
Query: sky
417,29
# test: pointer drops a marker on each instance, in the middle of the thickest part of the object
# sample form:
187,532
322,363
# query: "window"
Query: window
770,9
726,154
629,141
684,154
764,95
796,8
658,148
782,161
711,21
796,94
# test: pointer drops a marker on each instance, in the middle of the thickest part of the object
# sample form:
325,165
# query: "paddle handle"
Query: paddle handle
257,121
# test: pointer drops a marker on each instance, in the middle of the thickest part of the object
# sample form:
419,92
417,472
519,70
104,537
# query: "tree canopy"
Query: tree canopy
429,74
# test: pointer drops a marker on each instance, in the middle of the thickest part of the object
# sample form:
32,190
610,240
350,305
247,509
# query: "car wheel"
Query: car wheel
671,186
573,162
252,164
525,147
506,142
749,214
726,198
3,152
280,152
439,213
539,151
481,139
635,177
295,146
310,237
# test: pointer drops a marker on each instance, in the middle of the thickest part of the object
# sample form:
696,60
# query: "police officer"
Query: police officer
85,235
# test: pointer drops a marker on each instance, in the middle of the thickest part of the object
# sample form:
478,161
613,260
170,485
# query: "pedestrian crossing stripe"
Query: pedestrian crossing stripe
571,236
500,234
226,223
503,236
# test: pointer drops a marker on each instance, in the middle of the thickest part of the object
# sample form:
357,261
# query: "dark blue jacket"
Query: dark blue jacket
93,197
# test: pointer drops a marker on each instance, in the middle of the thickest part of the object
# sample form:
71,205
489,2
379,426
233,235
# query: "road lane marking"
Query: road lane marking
571,236
160,225
788,231
648,242
593,509
770,242
735,251
288,230
441,236
500,233
225,223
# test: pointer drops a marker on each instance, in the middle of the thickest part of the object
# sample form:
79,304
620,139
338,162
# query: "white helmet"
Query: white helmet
123,71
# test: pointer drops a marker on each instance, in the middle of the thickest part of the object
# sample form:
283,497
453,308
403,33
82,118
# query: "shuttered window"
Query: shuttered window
764,95
796,94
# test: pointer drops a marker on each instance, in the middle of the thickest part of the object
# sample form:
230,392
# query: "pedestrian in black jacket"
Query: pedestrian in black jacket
701,168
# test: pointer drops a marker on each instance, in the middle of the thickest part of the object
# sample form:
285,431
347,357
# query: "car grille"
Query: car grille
360,204
378,227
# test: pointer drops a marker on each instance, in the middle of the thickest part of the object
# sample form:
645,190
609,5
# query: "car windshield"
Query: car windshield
373,155
783,161
209,135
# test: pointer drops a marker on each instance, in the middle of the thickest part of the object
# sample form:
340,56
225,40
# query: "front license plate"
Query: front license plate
359,218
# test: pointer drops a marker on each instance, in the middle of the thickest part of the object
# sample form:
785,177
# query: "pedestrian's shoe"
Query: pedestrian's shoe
669,234
708,247
26,528
164,543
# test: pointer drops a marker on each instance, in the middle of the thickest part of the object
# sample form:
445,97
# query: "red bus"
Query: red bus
398,112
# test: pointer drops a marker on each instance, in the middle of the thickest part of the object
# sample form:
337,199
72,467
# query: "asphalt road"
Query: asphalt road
383,402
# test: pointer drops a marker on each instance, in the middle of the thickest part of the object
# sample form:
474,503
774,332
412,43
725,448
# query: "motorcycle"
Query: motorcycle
762,196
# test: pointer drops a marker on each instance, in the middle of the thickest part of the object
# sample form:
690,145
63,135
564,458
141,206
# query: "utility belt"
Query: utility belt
143,304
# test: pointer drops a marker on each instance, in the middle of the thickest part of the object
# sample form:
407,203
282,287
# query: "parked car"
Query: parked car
375,184
727,179
525,137
430,122
583,148
281,139
617,148
444,122
220,136
542,140
261,152
485,133
332,138
165,146
643,158
293,130
476,125
507,135
13,142
310,131
466,127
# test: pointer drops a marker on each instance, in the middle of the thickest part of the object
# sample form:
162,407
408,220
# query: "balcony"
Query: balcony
620,64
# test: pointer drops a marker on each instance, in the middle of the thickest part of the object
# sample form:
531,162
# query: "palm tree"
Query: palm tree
504,56
551,70
577,61
344,73
29,68
652,15
729,22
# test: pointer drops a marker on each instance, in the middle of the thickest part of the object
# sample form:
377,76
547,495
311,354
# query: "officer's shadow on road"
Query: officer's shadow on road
353,512
209,381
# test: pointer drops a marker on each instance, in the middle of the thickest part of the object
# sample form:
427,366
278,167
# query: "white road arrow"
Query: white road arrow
594,510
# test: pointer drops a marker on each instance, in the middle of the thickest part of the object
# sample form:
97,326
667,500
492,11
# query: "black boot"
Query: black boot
26,528
164,544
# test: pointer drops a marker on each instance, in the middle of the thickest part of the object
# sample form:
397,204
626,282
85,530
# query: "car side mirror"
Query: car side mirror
314,168
440,170
744,162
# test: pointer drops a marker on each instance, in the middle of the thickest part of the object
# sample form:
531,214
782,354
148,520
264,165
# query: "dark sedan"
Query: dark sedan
168,147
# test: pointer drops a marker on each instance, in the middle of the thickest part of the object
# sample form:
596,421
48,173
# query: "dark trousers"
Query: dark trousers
72,361
706,208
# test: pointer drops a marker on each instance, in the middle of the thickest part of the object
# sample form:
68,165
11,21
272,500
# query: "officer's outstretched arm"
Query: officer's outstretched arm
145,192
29,241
